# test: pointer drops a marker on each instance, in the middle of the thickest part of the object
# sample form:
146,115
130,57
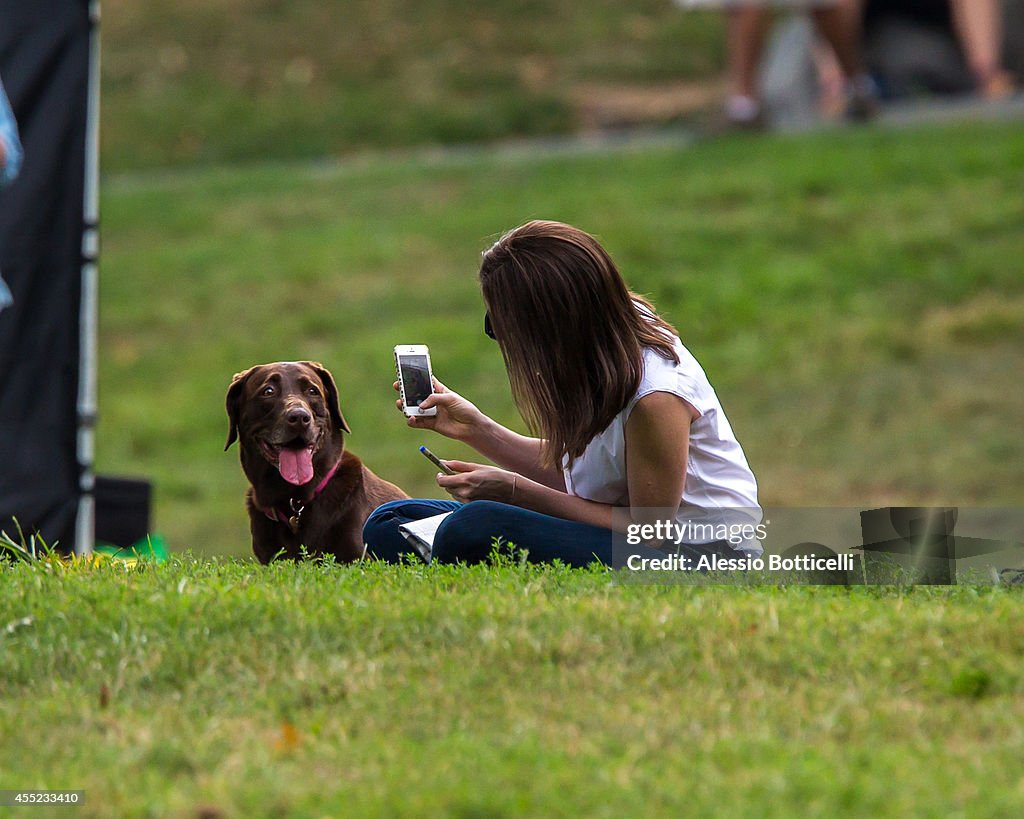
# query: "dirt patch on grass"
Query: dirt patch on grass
603,105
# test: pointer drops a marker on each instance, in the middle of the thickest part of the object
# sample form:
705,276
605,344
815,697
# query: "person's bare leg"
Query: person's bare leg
832,85
839,25
745,40
979,25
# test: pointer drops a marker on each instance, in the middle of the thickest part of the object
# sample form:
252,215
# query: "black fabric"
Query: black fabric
122,510
936,13
910,47
44,62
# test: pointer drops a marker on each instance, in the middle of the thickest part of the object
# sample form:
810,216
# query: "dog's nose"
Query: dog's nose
298,416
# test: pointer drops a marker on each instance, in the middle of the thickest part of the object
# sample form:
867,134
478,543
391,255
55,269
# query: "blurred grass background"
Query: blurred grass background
855,297
214,80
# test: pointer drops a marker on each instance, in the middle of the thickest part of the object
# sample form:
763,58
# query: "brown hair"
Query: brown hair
571,333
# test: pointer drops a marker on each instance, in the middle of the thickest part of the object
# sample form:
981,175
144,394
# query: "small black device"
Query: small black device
436,461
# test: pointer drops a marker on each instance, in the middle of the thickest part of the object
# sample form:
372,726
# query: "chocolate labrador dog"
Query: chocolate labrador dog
306,489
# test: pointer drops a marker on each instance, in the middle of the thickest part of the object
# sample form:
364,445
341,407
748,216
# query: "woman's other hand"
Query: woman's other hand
478,482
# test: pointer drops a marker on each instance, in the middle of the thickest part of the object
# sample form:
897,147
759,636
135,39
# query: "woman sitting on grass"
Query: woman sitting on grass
625,417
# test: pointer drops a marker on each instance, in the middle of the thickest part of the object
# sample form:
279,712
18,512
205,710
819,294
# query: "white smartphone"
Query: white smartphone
415,379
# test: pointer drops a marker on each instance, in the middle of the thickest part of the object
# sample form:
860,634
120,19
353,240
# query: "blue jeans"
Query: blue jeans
467,536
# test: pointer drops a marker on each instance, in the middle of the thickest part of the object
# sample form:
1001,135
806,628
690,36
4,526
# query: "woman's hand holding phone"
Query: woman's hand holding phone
456,417
478,482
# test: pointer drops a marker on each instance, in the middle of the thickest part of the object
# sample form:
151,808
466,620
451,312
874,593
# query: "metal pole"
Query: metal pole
85,529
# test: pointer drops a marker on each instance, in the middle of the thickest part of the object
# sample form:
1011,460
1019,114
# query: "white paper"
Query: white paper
420,533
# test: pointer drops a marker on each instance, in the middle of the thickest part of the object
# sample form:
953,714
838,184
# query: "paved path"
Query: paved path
930,110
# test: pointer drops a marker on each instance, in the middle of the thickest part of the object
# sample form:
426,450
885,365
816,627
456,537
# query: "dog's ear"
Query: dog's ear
234,404
333,404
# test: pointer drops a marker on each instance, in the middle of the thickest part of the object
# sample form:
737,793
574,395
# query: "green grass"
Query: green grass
318,690
856,298
214,80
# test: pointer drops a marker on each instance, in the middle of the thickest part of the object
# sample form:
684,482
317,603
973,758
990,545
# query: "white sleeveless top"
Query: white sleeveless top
719,487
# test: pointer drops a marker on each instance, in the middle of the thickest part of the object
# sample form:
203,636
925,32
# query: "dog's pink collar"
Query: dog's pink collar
298,507
327,479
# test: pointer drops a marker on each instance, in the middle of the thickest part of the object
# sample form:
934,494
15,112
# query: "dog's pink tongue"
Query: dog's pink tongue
296,465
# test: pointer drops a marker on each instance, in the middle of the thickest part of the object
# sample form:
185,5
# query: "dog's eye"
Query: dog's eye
313,391
267,390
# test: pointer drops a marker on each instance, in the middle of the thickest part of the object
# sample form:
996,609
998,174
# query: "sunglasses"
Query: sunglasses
488,329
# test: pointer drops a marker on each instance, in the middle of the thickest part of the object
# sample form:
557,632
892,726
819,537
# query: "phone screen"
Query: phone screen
416,386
